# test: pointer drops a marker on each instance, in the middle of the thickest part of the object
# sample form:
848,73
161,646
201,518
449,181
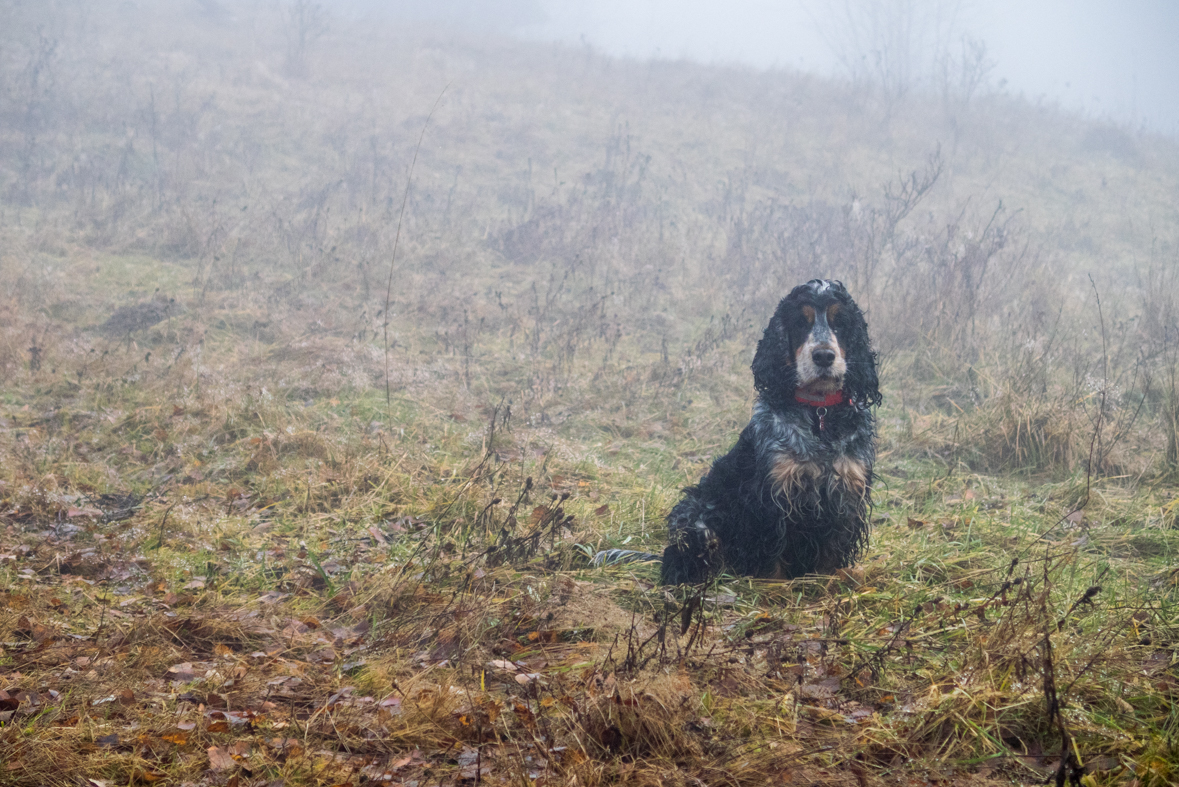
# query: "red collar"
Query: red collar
830,400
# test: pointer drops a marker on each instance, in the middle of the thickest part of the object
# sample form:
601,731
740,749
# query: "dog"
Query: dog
793,496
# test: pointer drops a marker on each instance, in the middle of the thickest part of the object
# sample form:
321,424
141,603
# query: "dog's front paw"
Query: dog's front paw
692,556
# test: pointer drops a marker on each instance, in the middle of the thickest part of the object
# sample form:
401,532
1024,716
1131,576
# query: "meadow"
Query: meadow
330,353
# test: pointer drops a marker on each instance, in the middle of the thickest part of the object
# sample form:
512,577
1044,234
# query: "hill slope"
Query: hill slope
280,503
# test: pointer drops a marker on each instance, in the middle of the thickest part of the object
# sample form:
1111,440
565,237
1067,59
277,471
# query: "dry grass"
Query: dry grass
227,558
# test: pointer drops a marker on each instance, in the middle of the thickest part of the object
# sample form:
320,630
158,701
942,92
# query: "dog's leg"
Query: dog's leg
693,551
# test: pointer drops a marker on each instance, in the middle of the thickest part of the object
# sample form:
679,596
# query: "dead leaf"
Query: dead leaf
219,759
821,690
181,673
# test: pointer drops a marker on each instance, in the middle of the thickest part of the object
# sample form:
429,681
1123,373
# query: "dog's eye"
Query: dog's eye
808,312
832,310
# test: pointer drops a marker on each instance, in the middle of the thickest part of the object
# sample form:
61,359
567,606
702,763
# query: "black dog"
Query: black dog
793,496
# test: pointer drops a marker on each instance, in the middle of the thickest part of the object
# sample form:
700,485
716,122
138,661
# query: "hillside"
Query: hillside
308,430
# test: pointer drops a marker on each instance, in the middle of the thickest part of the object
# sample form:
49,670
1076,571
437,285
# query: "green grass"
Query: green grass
401,585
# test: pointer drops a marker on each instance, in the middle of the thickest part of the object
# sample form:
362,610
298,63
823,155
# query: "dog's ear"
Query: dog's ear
773,363
860,382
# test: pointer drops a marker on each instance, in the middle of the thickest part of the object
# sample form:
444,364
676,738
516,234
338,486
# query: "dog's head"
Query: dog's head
815,345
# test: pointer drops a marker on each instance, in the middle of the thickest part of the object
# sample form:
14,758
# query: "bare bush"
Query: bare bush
305,23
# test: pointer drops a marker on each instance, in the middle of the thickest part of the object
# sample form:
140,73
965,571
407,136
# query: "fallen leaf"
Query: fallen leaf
219,759
181,673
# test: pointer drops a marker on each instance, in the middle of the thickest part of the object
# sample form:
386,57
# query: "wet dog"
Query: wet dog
793,495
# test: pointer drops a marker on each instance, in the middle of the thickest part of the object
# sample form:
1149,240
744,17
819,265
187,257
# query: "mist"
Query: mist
338,339
1103,59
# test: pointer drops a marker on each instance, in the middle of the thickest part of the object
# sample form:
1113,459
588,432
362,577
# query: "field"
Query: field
330,353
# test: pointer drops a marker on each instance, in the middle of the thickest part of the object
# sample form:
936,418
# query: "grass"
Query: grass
211,576
227,558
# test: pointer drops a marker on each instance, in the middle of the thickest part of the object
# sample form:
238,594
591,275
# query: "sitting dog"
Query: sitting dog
793,496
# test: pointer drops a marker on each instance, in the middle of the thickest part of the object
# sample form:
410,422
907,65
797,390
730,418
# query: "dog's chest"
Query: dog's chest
795,461
789,475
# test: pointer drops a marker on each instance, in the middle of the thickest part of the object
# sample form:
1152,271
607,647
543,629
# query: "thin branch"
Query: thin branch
397,240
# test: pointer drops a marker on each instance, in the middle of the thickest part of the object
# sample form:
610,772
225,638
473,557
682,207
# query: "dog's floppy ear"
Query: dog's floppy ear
860,382
773,363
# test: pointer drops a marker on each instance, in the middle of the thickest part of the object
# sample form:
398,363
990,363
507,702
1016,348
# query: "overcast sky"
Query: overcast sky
1112,59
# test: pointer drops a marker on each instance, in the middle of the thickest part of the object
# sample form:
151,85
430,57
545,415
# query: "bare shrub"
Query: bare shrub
305,22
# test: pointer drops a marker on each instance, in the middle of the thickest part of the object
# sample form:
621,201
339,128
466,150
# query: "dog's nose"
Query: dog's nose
823,358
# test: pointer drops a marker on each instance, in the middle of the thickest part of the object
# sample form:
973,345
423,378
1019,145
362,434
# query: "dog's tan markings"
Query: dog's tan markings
788,474
809,313
853,473
832,310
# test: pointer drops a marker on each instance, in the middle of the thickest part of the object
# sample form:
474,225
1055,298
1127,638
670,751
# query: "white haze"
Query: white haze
1107,59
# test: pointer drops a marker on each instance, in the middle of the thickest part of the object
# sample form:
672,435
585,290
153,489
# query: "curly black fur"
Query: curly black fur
742,518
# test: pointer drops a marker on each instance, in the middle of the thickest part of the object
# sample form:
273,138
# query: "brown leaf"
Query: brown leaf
526,716
219,759
181,673
824,689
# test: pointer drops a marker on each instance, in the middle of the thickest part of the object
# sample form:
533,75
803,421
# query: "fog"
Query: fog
1108,60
